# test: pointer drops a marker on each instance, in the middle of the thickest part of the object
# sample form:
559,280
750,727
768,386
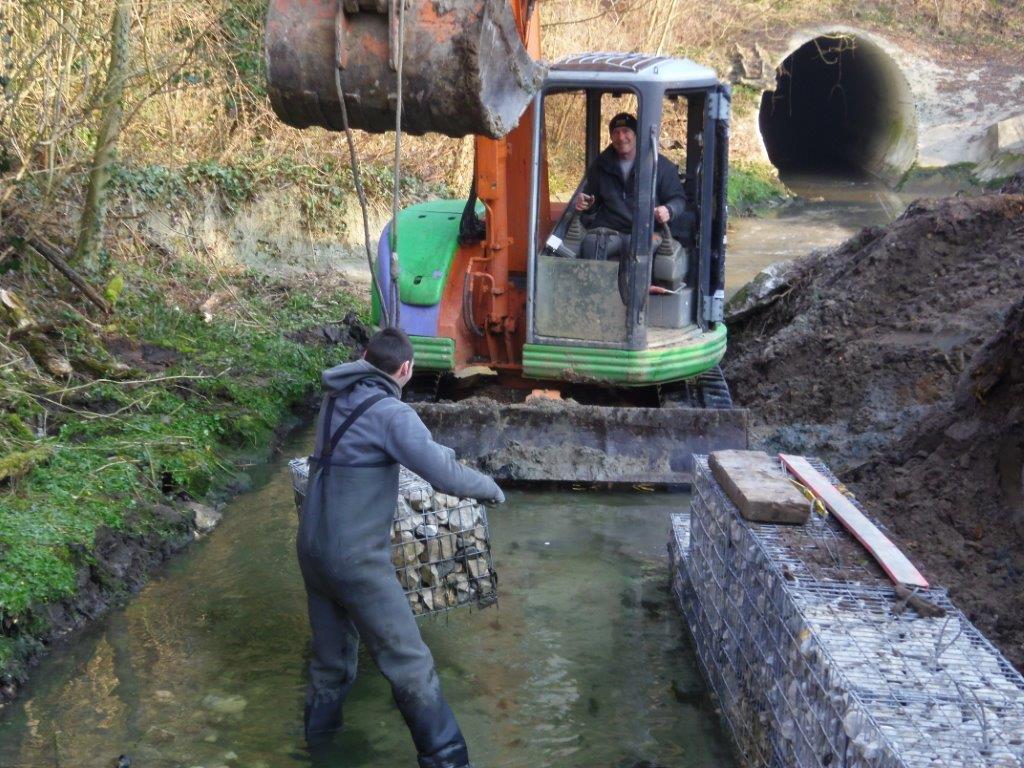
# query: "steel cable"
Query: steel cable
354,160
396,175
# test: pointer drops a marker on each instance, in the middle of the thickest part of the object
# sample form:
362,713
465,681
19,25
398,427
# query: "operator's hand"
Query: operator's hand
499,500
662,214
584,201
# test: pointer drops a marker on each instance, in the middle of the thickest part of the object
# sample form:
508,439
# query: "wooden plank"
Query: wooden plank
888,555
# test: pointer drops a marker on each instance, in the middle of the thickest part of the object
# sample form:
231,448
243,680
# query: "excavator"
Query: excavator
538,357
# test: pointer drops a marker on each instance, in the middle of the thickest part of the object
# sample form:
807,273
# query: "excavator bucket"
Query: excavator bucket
563,442
464,67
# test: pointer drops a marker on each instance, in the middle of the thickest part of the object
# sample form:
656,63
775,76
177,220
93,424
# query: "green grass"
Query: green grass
752,185
111,451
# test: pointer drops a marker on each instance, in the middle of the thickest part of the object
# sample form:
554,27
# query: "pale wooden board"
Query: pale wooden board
893,561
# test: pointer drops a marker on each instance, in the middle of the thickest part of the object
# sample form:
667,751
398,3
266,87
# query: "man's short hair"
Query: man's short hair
622,120
388,349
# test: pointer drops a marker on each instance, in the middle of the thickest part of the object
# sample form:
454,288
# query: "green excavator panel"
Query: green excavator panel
657,365
428,236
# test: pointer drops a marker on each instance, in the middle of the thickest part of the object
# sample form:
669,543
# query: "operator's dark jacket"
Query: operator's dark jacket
344,554
613,196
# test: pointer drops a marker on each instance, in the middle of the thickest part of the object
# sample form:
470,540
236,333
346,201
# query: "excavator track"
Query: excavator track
708,390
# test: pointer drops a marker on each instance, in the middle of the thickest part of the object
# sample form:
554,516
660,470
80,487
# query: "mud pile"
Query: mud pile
899,358
953,489
850,348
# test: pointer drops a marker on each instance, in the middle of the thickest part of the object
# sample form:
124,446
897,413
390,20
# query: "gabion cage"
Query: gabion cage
440,545
815,660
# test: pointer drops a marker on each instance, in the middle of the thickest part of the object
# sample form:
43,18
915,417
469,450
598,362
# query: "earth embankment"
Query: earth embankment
898,358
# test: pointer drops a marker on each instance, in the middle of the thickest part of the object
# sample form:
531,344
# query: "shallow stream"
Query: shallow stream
583,664
825,213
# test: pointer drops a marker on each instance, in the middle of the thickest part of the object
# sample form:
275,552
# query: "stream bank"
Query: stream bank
121,435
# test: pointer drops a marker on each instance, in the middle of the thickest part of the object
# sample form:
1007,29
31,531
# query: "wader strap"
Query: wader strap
327,449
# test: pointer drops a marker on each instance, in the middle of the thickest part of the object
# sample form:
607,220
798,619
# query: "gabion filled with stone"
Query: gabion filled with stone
440,545
816,662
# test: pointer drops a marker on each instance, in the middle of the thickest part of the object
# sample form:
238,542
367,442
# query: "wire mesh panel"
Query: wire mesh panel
815,660
440,545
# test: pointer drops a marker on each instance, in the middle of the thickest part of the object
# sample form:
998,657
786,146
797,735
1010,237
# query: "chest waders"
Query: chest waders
344,553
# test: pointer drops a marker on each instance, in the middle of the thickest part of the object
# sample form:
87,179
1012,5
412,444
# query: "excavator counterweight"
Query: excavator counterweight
465,69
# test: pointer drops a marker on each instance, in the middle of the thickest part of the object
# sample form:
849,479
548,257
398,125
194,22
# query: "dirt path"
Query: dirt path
897,358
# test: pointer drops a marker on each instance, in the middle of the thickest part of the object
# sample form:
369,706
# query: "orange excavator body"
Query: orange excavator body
469,67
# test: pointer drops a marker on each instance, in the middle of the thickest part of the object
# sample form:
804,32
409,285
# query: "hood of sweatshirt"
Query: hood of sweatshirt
347,375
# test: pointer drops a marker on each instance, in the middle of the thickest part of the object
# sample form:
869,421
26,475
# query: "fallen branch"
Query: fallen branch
52,254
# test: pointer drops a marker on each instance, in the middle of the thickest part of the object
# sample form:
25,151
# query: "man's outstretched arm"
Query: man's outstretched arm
408,442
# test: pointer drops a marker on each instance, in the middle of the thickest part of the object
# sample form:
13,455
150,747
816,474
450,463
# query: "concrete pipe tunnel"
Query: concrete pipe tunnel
841,107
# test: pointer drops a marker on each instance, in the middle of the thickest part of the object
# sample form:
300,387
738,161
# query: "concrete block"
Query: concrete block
1006,135
759,487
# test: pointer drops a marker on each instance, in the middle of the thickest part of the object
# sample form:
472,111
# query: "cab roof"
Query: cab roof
630,69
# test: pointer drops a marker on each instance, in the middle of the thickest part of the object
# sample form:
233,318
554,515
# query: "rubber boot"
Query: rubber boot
322,719
454,756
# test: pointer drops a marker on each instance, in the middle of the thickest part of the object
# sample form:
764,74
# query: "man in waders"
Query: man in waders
365,432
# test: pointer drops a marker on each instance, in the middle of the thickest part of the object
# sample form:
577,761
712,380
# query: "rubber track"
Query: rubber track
713,389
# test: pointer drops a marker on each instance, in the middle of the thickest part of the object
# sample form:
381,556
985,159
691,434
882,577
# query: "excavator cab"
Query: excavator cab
641,307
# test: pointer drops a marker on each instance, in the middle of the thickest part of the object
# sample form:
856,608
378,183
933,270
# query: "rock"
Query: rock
426,531
420,500
444,501
765,289
1006,136
409,578
163,695
430,575
206,518
477,567
225,705
761,489
463,518
230,757
407,550
447,544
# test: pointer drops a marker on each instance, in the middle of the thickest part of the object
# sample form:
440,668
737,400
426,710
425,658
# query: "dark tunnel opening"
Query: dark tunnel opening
841,107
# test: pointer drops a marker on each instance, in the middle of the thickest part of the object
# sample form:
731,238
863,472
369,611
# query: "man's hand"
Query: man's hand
662,214
499,500
584,201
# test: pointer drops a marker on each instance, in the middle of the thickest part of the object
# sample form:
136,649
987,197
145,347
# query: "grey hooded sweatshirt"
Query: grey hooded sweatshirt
392,431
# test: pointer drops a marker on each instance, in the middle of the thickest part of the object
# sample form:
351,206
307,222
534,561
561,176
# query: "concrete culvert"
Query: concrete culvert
841,105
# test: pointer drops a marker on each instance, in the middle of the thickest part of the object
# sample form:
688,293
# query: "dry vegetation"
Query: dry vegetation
194,86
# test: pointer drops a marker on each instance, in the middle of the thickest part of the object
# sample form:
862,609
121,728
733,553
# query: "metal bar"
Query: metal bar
896,565
531,247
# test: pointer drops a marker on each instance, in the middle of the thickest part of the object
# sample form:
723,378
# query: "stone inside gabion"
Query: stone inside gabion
440,545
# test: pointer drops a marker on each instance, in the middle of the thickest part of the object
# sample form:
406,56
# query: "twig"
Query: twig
133,382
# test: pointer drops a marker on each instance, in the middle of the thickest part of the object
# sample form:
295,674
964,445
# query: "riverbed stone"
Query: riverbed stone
759,487
231,704
206,518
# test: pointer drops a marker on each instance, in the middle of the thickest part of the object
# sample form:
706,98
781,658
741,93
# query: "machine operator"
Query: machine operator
607,199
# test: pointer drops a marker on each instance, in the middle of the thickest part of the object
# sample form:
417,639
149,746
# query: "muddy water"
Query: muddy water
583,664
826,212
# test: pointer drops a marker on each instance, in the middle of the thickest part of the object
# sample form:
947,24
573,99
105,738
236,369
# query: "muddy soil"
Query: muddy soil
898,359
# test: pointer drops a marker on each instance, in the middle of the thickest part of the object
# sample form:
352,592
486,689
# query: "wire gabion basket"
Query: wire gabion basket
440,545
